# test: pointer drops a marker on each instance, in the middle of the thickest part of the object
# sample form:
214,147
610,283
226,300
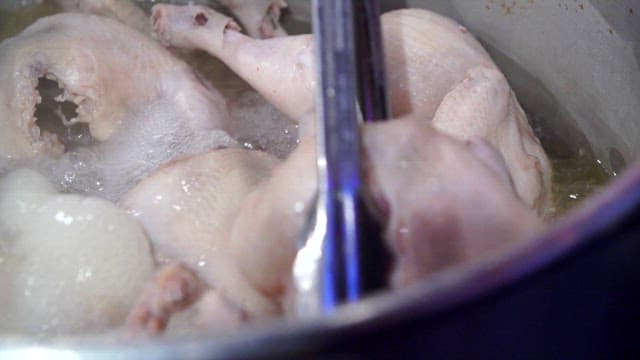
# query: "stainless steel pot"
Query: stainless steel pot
575,292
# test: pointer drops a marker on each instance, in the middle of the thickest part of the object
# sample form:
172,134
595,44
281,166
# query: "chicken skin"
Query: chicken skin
429,59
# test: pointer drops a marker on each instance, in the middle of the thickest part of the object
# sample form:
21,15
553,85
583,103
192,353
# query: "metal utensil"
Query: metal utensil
341,255
370,65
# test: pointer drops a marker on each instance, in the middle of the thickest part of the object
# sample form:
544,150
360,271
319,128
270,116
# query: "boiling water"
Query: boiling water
576,176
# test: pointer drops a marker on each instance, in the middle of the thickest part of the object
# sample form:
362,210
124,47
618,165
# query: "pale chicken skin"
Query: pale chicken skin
141,105
484,106
428,56
427,185
224,225
109,84
124,11
265,232
261,18
68,263
176,300
187,208
442,159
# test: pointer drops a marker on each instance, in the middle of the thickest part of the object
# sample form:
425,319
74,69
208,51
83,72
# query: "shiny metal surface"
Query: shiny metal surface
571,293
341,238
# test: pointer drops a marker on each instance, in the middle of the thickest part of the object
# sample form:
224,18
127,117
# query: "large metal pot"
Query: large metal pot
575,292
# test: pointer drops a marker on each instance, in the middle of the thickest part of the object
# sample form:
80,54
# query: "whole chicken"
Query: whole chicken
68,263
261,18
430,59
428,188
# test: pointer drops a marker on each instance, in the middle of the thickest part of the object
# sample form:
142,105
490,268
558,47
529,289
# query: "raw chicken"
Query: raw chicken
174,289
484,106
261,18
225,223
142,104
124,11
260,126
428,57
281,69
427,186
188,209
68,264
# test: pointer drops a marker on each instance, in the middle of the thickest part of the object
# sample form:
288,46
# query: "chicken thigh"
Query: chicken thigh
427,55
